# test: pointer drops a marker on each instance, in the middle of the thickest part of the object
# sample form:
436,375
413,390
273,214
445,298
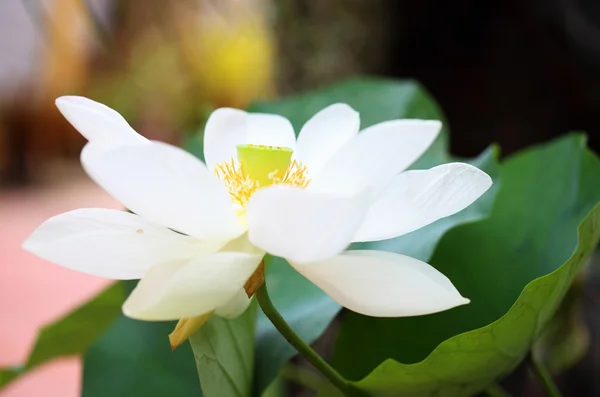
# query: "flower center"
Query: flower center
264,164
259,166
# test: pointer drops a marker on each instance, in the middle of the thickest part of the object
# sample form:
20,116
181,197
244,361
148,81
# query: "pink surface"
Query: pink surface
34,292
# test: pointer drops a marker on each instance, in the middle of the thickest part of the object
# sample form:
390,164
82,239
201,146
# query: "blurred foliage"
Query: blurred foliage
72,334
229,49
322,42
134,358
162,65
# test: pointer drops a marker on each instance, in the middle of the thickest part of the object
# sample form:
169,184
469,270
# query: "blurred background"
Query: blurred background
514,72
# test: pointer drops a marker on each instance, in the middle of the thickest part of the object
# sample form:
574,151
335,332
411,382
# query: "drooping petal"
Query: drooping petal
383,284
242,244
226,128
300,225
415,199
110,243
166,185
235,306
376,155
324,134
97,122
175,290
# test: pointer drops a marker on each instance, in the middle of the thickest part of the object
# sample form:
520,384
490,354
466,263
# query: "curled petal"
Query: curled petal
175,290
97,122
415,199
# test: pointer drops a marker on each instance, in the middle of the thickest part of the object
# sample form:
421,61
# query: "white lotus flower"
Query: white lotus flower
199,232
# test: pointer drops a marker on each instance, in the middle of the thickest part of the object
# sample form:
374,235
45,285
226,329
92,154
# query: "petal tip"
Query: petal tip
484,178
130,310
488,180
435,125
32,242
62,103
27,245
431,127
226,112
343,105
69,100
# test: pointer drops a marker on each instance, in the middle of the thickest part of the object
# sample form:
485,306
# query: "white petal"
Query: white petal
240,301
324,134
376,155
302,226
235,306
171,291
226,128
97,122
167,185
383,284
415,199
109,243
270,130
242,244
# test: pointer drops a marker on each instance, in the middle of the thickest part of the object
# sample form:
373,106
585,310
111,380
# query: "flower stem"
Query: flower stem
540,370
262,296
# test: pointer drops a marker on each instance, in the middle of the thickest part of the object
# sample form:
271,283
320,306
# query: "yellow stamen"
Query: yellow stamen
296,175
260,166
240,185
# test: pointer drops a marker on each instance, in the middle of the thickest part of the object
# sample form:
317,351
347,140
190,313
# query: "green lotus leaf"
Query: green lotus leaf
516,267
134,358
224,353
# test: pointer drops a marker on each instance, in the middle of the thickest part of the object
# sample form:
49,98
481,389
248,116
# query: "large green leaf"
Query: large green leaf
72,334
516,266
224,352
308,310
134,358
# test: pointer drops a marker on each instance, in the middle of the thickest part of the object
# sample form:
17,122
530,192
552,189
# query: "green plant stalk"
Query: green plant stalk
265,303
539,369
